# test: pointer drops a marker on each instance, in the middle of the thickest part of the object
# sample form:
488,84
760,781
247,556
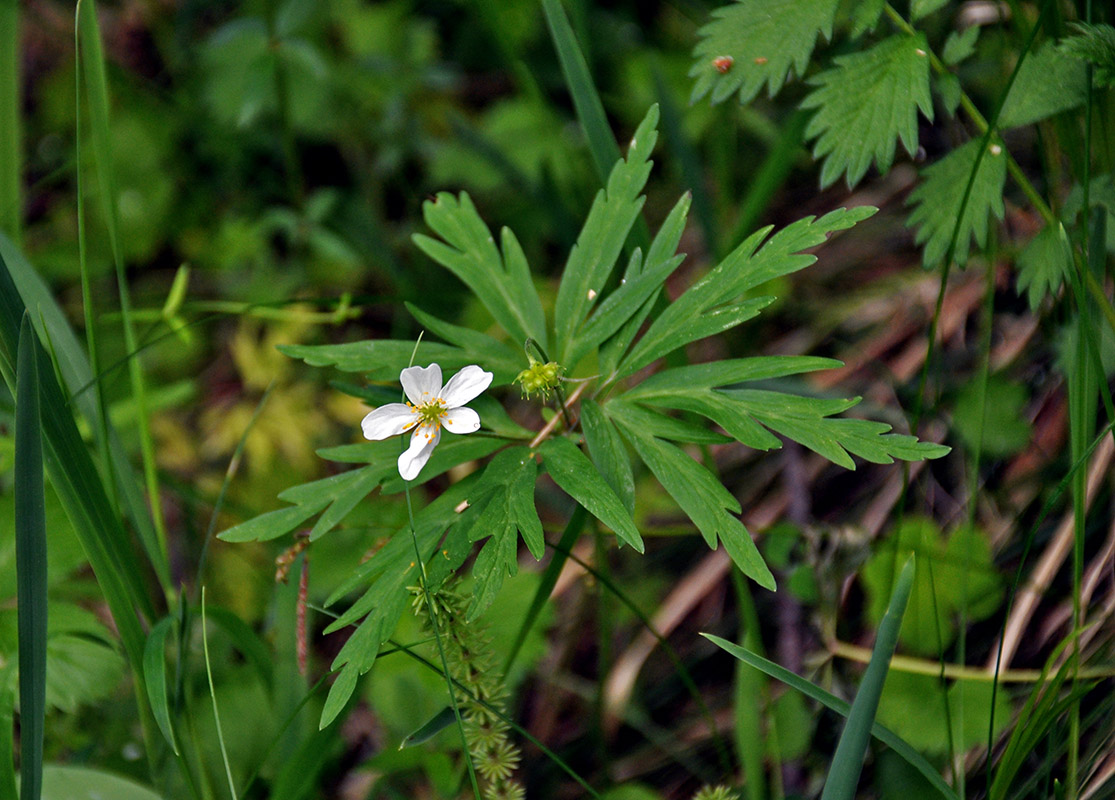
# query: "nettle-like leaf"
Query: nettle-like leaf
1095,45
1044,264
938,199
1050,81
865,102
752,42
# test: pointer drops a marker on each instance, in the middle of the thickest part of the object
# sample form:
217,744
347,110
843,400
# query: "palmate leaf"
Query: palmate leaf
702,497
501,281
765,40
938,199
706,307
865,102
601,240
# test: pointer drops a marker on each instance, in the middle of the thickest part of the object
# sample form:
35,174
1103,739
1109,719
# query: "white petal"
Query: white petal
461,420
419,452
389,420
421,384
465,386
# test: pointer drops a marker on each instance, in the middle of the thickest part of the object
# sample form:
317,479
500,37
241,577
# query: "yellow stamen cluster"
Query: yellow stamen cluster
429,415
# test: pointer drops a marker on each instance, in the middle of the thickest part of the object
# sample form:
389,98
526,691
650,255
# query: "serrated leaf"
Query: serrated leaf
704,500
579,478
746,267
1044,264
960,45
501,282
938,199
865,102
1050,81
865,16
1095,45
608,453
764,40
605,231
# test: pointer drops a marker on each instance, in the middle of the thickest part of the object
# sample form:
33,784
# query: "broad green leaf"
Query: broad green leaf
607,452
746,267
154,670
1049,82
65,782
865,102
951,576
865,16
913,706
764,40
451,451
1044,264
704,500
605,231
1095,45
468,250
938,199
579,478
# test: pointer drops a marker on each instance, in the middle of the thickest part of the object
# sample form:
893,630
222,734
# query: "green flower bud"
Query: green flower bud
539,377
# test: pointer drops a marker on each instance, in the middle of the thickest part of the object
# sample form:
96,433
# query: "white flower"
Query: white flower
429,406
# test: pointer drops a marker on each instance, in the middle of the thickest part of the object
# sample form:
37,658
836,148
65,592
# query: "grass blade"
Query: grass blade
11,154
213,697
92,63
847,762
77,376
586,100
7,731
30,541
79,486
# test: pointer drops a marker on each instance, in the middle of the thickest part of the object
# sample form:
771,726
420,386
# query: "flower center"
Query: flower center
430,414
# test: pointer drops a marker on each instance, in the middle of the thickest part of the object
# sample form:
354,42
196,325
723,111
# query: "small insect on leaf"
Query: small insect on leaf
760,60
723,63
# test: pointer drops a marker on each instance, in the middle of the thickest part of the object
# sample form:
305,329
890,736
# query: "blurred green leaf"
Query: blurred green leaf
938,198
1044,264
999,427
1050,81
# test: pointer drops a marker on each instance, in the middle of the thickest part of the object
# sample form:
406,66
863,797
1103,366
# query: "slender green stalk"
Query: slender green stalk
11,145
30,541
213,697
